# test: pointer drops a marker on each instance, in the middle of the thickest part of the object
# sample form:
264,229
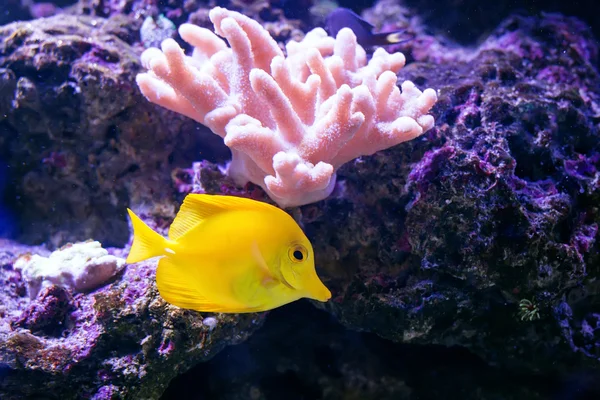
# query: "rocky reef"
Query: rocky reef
483,233
443,238
79,140
118,341
480,237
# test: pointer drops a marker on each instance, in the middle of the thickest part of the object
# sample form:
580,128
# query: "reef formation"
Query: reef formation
481,233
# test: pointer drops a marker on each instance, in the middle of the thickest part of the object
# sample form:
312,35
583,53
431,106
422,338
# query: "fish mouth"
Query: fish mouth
322,295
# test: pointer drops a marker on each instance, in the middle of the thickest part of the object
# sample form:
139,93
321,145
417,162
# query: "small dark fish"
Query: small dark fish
345,18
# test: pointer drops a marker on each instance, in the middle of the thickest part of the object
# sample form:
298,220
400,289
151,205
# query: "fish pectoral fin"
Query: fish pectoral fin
198,207
260,261
267,278
177,288
269,283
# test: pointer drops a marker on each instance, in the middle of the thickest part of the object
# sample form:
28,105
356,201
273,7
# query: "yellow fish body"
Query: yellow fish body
231,255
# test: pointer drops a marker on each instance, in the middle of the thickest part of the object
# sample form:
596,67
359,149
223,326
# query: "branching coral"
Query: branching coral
292,121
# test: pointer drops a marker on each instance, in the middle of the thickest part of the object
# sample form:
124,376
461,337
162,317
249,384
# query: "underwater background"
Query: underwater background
442,158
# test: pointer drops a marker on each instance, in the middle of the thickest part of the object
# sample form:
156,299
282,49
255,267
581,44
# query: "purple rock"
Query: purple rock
106,343
48,313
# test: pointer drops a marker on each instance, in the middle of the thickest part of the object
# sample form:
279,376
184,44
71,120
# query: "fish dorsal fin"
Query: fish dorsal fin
198,207
363,22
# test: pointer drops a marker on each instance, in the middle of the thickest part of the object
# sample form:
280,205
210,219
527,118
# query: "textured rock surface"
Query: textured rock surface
120,341
281,20
438,241
80,141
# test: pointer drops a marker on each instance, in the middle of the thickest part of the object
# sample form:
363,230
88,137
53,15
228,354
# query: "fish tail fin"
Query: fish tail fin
146,242
395,37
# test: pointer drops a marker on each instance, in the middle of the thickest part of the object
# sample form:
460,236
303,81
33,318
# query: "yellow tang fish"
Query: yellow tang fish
230,255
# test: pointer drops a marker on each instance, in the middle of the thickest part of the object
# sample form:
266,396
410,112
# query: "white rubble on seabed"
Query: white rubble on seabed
79,267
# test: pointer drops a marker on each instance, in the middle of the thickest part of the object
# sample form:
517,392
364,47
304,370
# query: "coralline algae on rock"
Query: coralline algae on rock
119,341
48,313
78,267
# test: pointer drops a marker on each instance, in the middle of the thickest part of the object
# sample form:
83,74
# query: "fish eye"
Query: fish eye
298,253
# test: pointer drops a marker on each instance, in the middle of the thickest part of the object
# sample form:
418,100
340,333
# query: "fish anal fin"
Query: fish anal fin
198,207
246,310
176,287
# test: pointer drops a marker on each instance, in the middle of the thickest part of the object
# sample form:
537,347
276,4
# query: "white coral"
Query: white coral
79,267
